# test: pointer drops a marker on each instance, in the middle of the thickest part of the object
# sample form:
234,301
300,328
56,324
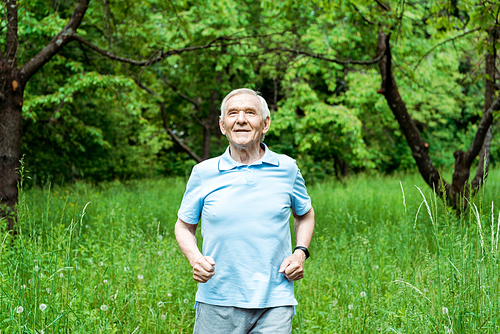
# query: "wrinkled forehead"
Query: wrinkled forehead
243,101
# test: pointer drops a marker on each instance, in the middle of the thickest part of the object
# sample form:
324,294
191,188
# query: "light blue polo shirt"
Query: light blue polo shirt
245,211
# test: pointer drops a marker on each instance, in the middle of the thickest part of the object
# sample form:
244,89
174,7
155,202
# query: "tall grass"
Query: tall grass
386,257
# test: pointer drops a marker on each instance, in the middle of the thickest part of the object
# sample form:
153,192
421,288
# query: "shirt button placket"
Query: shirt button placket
249,175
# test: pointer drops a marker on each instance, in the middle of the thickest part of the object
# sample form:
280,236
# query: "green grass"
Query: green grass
103,259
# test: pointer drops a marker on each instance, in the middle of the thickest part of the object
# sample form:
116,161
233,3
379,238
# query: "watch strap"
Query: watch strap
304,249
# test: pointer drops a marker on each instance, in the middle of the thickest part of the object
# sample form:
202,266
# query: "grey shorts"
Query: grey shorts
234,320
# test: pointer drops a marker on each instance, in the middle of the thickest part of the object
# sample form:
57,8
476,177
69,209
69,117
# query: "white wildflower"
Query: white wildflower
349,315
160,304
163,317
126,268
445,310
104,307
105,281
169,294
350,306
36,268
362,294
42,307
23,286
160,237
186,301
101,264
61,275
19,309
375,267
140,277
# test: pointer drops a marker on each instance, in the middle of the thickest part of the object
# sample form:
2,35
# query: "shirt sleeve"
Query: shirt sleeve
301,202
192,202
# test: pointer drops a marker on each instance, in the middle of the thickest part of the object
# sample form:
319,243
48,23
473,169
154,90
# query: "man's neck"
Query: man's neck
246,155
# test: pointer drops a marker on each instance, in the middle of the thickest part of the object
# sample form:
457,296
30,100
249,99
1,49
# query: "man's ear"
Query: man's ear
221,126
267,124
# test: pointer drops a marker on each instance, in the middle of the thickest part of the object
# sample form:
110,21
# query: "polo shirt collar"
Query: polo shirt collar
269,157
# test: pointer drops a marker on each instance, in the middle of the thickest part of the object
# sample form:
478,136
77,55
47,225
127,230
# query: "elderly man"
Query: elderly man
244,198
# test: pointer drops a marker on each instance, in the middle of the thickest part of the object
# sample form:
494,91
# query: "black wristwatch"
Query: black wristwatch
304,249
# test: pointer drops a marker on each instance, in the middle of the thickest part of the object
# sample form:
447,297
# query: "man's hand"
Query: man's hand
203,269
203,266
293,266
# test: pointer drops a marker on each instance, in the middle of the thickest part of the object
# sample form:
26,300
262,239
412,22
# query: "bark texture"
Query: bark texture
459,190
13,80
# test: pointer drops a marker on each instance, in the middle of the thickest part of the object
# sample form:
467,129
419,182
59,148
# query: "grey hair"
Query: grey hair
263,104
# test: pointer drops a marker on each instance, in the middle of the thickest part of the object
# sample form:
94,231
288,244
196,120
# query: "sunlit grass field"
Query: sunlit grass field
103,259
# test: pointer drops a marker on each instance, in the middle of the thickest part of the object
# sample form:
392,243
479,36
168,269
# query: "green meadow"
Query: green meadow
385,258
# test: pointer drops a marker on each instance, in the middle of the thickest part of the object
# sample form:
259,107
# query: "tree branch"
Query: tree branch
332,60
361,14
174,136
383,6
441,43
56,44
482,130
165,124
195,103
181,95
160,56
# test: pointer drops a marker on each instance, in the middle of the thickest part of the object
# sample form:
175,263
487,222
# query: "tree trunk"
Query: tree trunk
13,81
459,191
489,96
11,101
481,145
391,93
341,168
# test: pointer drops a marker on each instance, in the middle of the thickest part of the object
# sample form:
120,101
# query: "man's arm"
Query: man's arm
203,266
293,266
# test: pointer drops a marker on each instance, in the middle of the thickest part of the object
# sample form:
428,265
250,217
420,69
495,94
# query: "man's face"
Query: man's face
243,124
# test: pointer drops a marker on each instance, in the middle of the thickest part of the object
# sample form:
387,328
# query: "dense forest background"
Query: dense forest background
138,93
93,91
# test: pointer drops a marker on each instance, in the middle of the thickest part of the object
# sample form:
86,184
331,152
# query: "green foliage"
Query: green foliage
439,77
85,116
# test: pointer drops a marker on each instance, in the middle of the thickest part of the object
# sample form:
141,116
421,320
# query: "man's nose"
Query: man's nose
241,117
